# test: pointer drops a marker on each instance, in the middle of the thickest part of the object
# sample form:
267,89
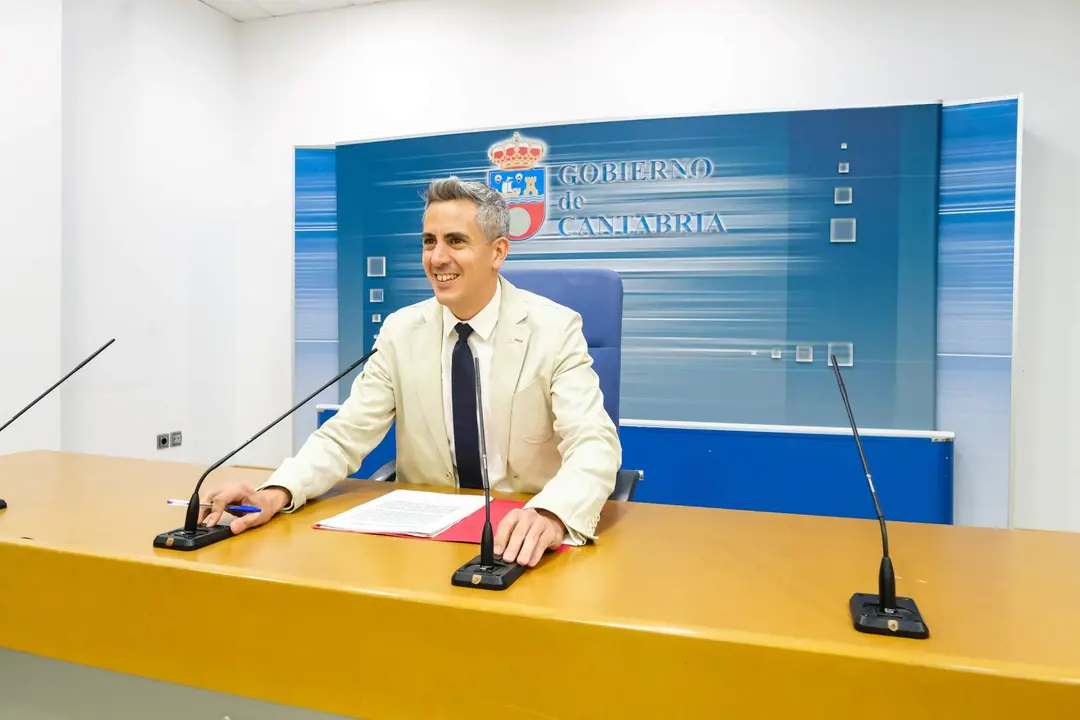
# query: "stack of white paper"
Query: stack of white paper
406,512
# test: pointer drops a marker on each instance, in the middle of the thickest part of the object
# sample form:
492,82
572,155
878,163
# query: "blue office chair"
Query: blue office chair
598,296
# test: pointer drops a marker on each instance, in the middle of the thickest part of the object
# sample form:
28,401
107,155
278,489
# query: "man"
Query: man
547,432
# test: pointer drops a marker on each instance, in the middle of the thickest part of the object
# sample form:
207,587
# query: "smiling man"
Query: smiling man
546,430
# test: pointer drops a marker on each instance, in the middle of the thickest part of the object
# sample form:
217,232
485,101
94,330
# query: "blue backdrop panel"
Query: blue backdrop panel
727,259
750,247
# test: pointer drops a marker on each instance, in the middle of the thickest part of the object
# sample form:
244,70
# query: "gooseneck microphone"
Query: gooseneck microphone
485,571
54,386
194,536
884,613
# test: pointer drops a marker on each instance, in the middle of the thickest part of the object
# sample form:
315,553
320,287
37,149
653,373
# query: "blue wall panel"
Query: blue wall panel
792,472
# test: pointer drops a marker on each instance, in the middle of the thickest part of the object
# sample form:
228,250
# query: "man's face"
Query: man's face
460,263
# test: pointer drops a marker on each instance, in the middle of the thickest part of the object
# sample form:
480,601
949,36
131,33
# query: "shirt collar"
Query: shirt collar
483,323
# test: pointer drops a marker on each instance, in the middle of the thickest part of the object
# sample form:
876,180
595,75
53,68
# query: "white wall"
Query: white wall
149,168
30,103
419,67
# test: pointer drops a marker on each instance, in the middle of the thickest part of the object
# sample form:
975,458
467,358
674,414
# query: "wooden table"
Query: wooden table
677,612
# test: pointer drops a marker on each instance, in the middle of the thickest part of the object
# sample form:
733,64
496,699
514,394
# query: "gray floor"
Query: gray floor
35,688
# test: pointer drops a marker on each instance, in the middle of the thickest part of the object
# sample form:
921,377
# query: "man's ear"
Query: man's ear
502,249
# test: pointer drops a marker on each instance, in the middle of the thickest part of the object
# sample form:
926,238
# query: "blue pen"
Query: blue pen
236,509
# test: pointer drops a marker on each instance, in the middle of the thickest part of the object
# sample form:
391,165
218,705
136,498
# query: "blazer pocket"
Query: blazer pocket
531,418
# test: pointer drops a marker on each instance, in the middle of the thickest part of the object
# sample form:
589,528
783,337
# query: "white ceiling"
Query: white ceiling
257,9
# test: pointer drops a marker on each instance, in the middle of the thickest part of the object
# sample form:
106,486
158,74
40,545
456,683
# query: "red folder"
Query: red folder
470,528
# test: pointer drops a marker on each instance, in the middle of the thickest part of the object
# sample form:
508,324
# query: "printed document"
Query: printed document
406,512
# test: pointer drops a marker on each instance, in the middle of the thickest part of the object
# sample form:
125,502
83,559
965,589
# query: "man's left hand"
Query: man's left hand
524,535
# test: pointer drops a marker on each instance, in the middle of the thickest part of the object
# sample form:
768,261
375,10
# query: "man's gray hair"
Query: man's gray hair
492,214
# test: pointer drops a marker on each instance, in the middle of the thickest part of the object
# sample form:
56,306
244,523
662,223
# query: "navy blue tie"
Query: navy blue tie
466,429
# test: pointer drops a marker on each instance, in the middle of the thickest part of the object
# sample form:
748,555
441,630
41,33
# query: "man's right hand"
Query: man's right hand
270,500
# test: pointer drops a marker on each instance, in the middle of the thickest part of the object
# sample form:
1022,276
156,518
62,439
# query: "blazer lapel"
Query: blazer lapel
511,340
427,378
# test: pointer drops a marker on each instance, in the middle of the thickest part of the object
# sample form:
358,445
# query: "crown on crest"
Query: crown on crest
518,153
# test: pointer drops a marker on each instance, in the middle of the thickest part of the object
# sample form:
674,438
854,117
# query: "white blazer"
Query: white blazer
545,397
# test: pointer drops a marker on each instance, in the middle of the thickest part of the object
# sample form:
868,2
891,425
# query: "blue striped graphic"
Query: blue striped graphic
315,276
977,224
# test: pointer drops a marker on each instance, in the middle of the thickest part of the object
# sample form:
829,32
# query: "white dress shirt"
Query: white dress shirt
481,342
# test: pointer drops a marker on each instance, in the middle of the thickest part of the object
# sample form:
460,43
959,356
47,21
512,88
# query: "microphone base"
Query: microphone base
904,620
499,576
181,539
2,504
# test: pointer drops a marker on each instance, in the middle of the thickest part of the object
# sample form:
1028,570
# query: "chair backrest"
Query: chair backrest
597,295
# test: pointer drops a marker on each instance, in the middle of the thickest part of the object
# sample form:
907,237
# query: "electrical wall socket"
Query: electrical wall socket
175,438
163,441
